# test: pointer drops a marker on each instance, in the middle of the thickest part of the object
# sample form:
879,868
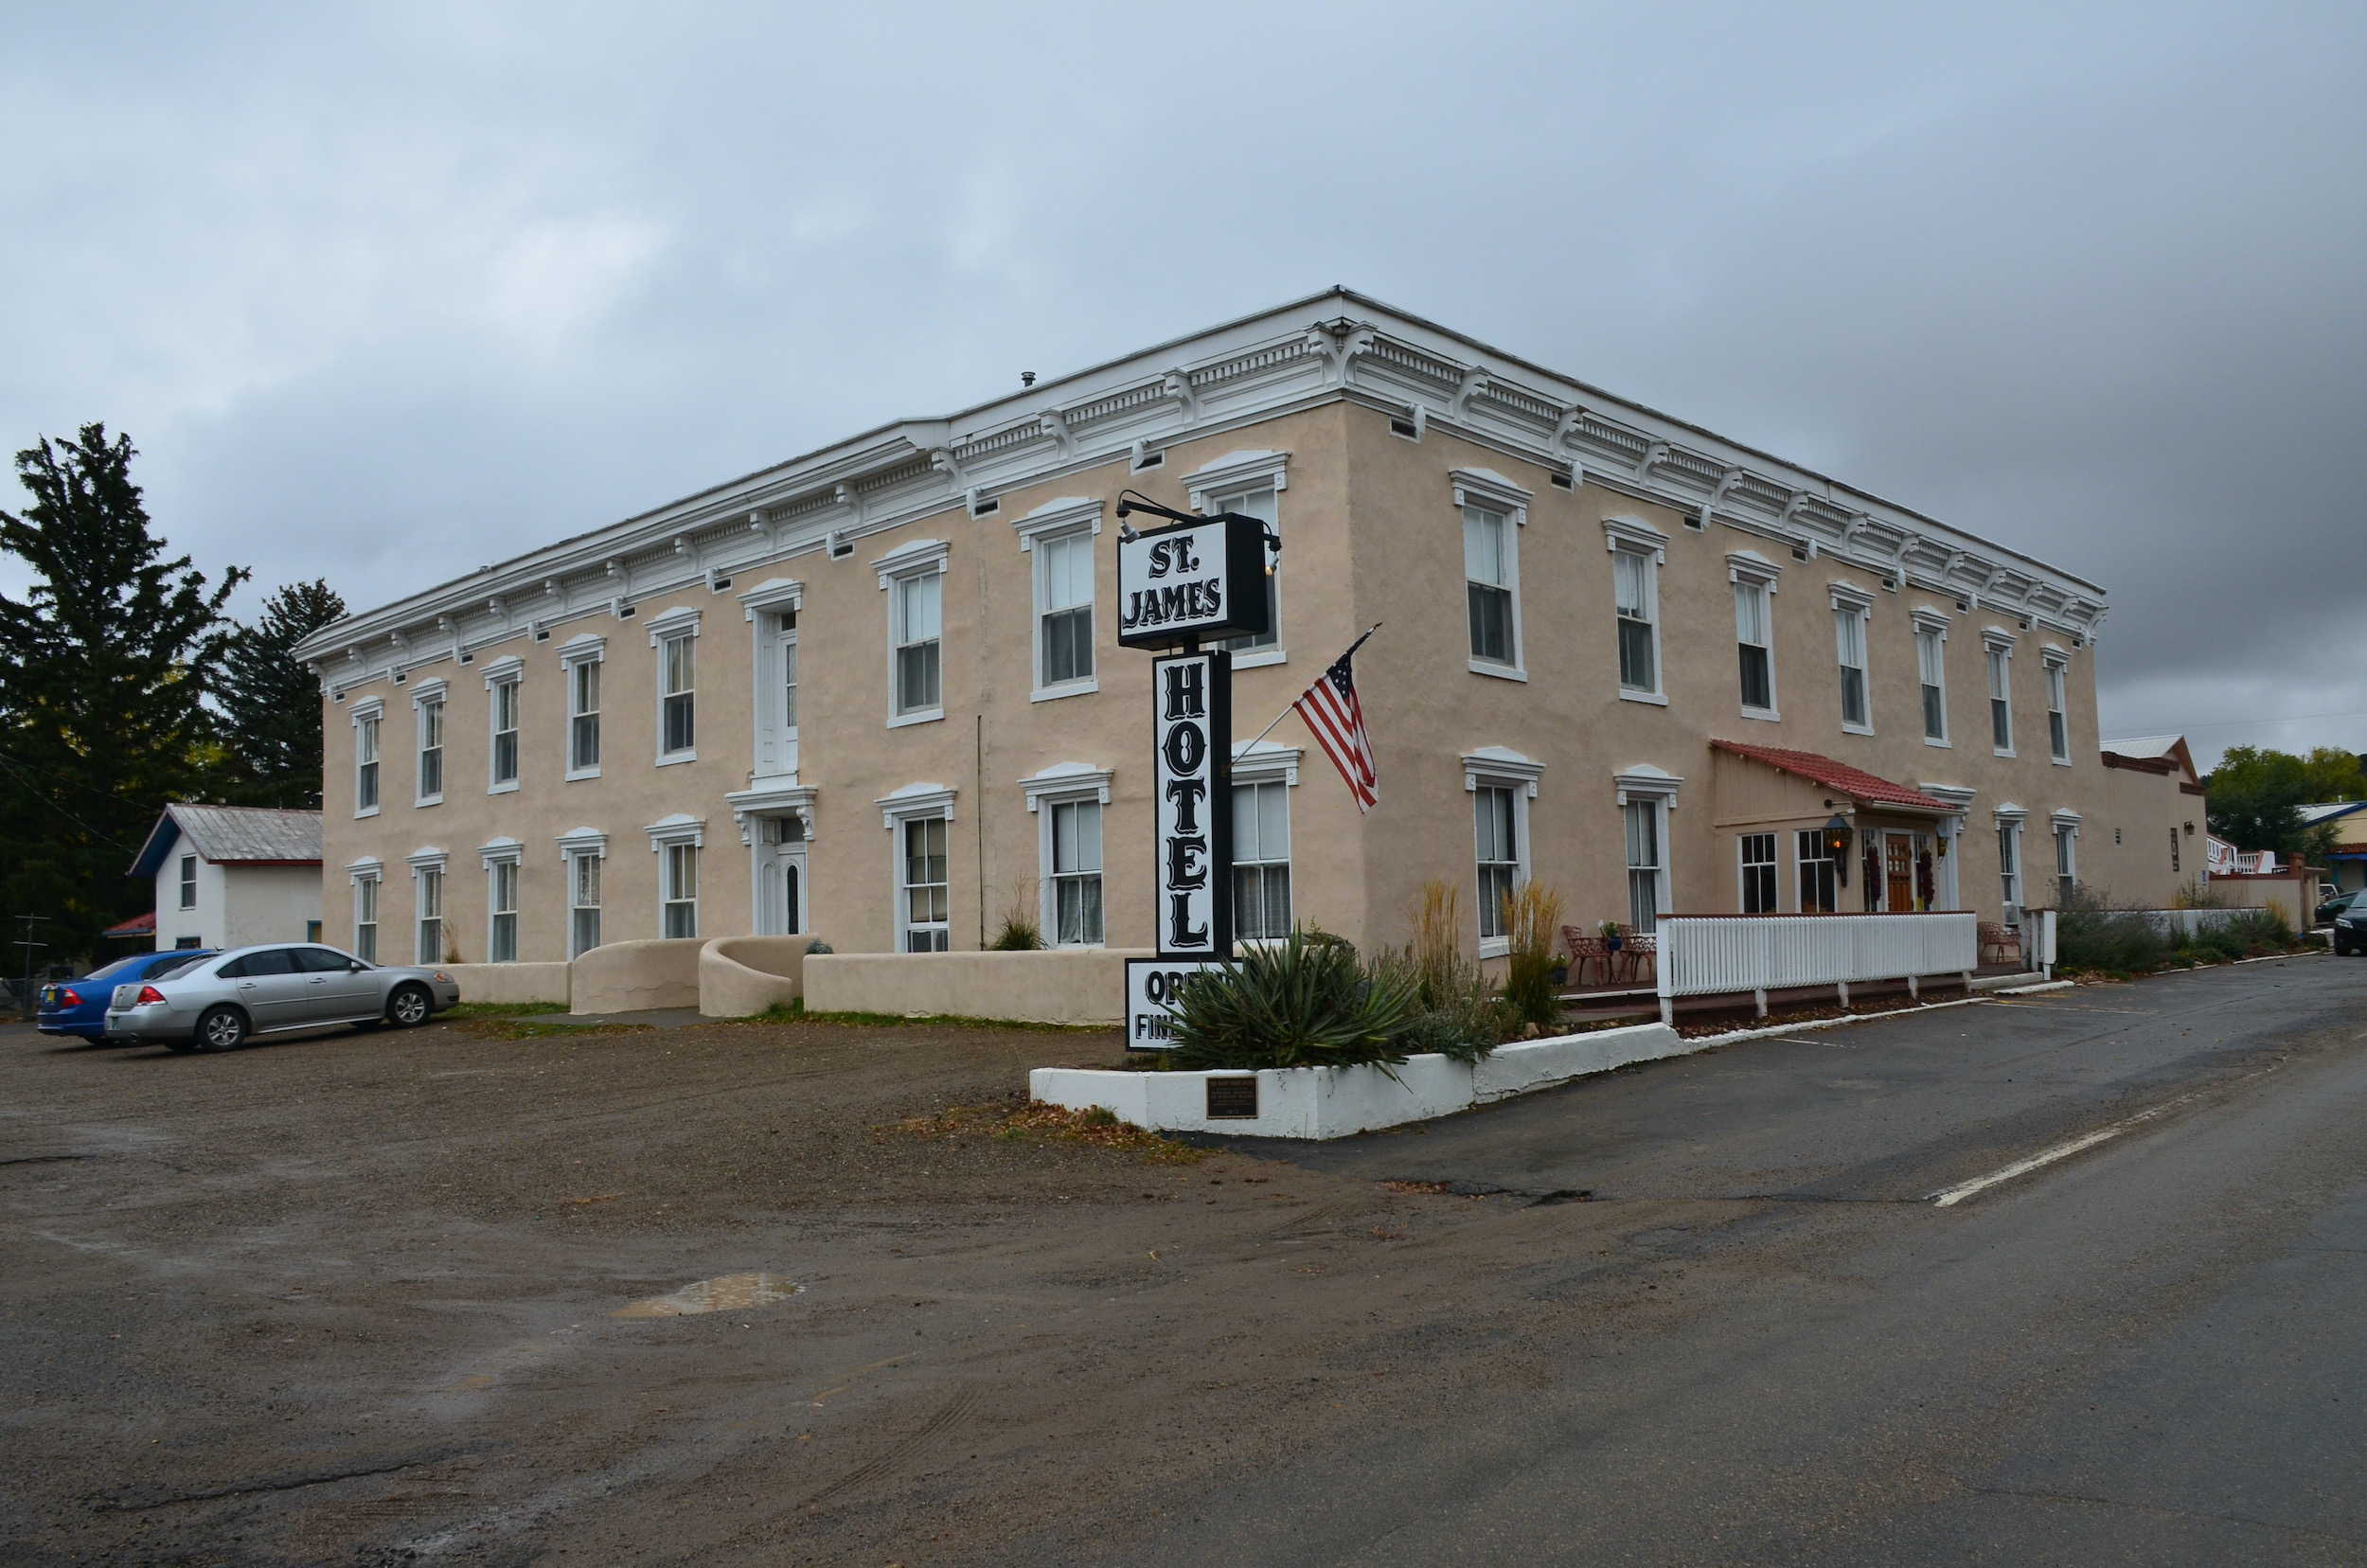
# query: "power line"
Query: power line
98,833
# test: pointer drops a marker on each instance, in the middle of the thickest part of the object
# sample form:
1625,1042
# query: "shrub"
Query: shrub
2093,933
1456,1014
1437,953
818,945
1300,1003
1531,924
1018,935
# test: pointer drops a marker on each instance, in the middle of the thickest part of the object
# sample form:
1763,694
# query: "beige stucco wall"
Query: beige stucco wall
1061,986
504,984
739,976
636,977
2127,833
1356,875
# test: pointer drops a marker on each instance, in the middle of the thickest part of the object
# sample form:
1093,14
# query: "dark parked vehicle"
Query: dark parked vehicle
2333,904
2350,929
79,1007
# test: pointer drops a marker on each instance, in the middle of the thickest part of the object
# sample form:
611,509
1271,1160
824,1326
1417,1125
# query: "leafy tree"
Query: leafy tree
271,704
2256,792
103,671
2333,774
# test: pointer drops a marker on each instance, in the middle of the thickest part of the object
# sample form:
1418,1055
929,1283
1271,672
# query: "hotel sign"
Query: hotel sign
1192,781
1192,582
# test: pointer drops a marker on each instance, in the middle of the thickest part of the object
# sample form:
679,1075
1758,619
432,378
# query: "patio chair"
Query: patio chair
1641,954
1999,944
1583,951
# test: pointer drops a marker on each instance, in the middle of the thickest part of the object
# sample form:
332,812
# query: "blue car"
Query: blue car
79,1007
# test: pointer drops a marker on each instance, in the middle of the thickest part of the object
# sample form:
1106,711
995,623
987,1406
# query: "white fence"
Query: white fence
1705,954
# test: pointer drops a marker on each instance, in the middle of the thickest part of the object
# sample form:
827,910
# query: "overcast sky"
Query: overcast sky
383,293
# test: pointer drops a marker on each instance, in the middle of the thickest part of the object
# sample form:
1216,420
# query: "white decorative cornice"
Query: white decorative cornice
368,707
1478,487
914,557
679,827
915,800
1645,781
794,800
1996,636
2008,811
426,858
1263,761
582,841
587,645
1237,470
1636,534
1928,619
501,851
771,596
1330,348
502,670
1848,596
1065,781
1501,765
682,621
1061,516
431,690
1750,567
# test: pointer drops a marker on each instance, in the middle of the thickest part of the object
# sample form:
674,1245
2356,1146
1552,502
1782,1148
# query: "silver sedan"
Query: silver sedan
270,989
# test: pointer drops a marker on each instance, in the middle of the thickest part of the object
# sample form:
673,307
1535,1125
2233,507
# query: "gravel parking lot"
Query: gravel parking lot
355,1298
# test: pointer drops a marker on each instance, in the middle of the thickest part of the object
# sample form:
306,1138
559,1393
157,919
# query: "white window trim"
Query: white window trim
185,880
917,557
1641,537
763,607
508,670
575,845
1491,491
589,648
1742,871
1849,598
1926,619
1750,568
1070,515
502,851
1997,640
371,709
2010,819
666,832
915,802
423,861
1214,488
679,623
1502,767
2054,662
1264,762
427,694
2063,819
1063,783
1645,782
373,871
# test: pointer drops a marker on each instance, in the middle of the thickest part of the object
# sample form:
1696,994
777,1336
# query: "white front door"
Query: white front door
781,871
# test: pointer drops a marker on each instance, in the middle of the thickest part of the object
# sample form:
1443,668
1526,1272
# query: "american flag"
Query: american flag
1336,717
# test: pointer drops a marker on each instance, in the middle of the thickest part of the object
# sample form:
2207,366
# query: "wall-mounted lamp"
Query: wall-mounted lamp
1837,836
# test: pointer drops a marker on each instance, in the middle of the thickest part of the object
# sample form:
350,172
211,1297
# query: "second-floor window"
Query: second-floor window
1932,669
1753,641
2057,715
1636,592
502,698
1263,504
584,717
677,696
188,882
431,750
918,613
366,763
2001,700
1488,585
1849,637
1064,611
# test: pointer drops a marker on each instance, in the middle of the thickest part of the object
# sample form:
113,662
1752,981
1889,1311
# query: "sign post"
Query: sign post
1201,578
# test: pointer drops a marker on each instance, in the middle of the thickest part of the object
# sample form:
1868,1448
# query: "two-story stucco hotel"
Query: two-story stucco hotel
874,692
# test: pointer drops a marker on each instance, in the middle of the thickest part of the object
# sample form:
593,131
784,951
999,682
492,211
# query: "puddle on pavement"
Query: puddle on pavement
723,1294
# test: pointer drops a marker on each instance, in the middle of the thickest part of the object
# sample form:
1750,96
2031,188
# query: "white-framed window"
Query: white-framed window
1753,577
501,858
913,577
2058,709
583,854
1250,483
1638,551
1646,797
1931,672
677,841
2066,825
502,686
2000,661
366,878
674,637
1819,889
1758,873
188,882
772,608
919,819
1851,613
367,718
1501,783
1064,613
1071,862
428,706
1493,509
427,907
2009,864
581,660
1261,859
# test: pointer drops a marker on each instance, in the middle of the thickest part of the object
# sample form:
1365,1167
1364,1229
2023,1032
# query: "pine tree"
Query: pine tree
104,670
271,704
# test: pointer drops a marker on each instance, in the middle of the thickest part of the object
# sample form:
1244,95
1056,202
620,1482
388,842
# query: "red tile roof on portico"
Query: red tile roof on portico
1840,778
138,925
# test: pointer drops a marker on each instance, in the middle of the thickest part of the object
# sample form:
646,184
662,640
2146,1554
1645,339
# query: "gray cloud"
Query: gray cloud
385,295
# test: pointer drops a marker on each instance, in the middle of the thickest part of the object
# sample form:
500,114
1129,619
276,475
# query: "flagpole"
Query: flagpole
1288,711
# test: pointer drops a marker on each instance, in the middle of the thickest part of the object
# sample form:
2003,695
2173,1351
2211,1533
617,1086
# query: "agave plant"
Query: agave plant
1306,1001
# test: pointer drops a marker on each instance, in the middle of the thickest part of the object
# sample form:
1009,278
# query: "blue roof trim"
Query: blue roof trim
160,841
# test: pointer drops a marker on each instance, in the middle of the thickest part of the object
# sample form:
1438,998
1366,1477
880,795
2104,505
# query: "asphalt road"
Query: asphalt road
371,1301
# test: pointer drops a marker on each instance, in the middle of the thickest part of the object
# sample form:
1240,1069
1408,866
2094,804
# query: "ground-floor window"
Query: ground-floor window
2066,863
1494,819
923,888
1758,873
583,903
2009,866
502,945
1261,860
431,915
678,890
1818,890
1073,871
365,918
1647,863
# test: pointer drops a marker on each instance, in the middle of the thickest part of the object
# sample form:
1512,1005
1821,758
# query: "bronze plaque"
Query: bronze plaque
1233,1099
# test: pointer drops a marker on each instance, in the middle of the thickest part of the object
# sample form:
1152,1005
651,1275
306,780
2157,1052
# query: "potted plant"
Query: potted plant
1612,940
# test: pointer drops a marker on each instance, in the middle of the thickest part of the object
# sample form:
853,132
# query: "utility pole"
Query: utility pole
25,1001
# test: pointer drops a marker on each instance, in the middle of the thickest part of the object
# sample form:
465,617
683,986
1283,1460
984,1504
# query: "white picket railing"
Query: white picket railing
1705,954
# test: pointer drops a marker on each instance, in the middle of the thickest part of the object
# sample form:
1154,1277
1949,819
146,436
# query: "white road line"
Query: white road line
1962,1190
